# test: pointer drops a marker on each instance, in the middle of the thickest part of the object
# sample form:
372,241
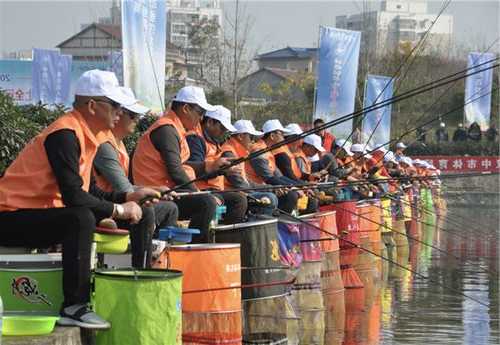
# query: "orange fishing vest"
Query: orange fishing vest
300,155
286,150
123,158
234,146
252,175
212,153
148,167
29,182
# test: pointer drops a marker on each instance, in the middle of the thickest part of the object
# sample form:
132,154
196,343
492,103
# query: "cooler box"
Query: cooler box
31,283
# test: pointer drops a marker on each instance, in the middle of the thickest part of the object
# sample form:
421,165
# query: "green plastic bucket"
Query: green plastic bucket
143,306
31,284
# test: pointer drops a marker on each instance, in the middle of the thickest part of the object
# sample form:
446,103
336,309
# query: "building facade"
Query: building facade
181,13
400,24
96,41
290,58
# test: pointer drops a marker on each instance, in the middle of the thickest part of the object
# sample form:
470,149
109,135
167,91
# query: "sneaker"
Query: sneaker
81,315
157,248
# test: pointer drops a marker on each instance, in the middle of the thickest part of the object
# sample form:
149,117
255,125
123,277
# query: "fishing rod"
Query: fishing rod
449,221
408,236
438,98
420,44
324,185
424,88
428,212
485,269
434,119
335,236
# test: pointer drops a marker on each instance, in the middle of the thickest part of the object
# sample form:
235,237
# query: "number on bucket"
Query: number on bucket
275,254
233,268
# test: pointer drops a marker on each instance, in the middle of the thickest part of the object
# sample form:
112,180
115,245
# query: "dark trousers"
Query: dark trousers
200,210
159,215
41,228
288,201
236,207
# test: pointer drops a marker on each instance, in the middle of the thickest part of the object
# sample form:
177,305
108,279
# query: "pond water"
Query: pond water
415,310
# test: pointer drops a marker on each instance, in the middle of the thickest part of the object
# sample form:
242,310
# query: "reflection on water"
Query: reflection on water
417,310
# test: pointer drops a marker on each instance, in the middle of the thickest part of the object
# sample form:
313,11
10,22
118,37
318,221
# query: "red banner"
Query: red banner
456,164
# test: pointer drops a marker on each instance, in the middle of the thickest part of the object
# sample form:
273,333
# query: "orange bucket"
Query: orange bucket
211,303
213,267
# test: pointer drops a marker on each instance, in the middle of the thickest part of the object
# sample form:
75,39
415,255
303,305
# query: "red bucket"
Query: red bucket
348,229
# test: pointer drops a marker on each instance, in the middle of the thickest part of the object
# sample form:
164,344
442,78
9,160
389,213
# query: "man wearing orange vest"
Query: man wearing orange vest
327,139
262,202
162,154
111,165
257,172
48,195
204,145
263,169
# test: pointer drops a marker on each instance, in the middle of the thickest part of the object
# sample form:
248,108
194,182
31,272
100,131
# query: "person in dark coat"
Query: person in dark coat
441,133
460,133
474,132
491,133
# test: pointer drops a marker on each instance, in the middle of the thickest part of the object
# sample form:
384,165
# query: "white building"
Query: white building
181,13
400,24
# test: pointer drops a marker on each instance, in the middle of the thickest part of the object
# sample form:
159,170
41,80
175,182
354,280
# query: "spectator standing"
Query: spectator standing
474,132
460,133
491,133
442,133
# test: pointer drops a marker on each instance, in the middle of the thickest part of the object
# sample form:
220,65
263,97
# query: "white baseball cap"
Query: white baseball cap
389,157
223,115
381,148
273,125
193,95
246,126
407,161
134,105
315,141
314,158
357,148
294,129
400,146
343,143
97,83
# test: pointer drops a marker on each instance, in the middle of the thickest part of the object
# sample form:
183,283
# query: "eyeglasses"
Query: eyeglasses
199,110
112,103
133,116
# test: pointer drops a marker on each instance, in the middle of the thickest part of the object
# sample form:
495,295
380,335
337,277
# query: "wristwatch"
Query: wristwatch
118,211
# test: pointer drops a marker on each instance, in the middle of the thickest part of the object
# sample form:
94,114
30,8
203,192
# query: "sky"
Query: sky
44,24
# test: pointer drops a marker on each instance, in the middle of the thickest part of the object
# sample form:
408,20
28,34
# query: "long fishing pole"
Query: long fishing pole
419,44
439,98
324,185
434,119
408,236
448,220
485,269
381,256
424,88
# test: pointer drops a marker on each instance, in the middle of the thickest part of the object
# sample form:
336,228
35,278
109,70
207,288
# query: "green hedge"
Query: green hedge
19,124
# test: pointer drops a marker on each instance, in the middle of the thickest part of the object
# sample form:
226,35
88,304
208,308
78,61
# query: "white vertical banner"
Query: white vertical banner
144,49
